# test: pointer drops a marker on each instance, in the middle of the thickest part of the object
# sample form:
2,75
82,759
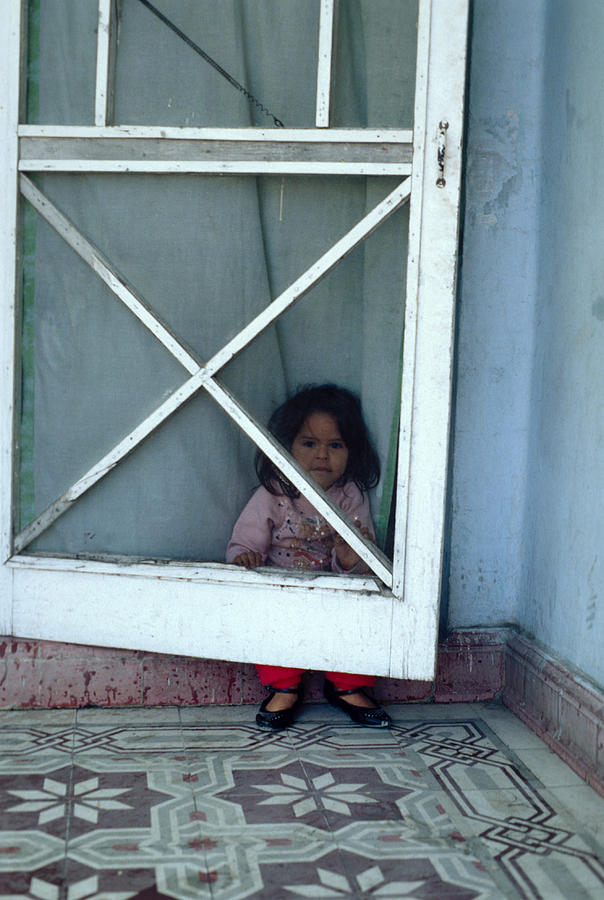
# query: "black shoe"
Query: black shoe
280,718
362,715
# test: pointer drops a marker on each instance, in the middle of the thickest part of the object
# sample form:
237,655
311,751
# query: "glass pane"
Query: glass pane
207,254
62,61
374,64
91,371
268,47
348,329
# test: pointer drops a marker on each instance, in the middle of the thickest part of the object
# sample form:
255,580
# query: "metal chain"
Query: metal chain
212,62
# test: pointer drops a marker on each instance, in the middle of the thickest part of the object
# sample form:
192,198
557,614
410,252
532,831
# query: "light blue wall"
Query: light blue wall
527,500
496,312
563,589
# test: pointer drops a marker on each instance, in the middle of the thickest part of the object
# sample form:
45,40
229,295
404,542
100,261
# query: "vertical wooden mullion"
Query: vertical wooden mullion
429,328
324,64
10,69
413,260
105,59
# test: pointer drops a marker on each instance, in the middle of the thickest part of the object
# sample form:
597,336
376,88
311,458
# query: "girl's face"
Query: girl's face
320,450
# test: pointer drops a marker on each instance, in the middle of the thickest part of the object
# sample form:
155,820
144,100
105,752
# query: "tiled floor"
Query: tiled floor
456,801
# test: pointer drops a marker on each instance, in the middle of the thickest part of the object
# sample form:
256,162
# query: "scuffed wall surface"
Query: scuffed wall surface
527,489
497,290
564,561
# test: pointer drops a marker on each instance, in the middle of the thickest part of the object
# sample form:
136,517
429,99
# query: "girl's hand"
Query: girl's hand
251,559
345,554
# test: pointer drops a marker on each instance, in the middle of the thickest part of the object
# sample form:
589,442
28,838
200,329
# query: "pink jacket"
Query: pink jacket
290,533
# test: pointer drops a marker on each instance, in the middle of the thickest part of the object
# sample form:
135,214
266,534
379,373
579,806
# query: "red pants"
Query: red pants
278,676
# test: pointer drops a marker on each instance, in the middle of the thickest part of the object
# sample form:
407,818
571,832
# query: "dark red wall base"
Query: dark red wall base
47,674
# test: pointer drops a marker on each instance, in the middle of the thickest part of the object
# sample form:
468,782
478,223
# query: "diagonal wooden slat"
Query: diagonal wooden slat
366,226
101,265
200,375
107,273
263,439
108,462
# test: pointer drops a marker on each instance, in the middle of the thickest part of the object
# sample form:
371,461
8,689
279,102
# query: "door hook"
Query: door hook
440,153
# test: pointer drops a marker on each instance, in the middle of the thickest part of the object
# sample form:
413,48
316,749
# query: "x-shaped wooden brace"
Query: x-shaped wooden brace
202,375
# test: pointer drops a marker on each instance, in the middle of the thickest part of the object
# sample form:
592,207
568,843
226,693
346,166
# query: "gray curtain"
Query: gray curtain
207,253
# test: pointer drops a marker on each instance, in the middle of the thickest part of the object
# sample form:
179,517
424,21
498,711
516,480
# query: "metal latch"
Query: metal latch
440,153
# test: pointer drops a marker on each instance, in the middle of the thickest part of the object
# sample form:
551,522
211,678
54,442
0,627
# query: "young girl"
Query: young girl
323,429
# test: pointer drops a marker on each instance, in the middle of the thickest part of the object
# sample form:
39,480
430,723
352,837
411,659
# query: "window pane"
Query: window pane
269,47
207,254
62,61
374,64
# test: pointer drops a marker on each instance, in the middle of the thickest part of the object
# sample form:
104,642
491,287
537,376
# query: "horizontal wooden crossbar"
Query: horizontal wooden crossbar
162,155
235,151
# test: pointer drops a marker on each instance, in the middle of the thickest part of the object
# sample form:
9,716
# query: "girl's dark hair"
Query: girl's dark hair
363,466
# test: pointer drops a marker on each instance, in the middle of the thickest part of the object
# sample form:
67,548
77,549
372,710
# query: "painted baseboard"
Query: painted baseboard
561,707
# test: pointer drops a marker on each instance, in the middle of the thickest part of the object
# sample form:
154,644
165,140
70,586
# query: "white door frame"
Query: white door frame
385,624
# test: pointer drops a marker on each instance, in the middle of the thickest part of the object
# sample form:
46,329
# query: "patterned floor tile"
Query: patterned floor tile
235,858
344,735
18,741
48,718
311,796
165,804
74,881
217,738
37,801
343,874
584,804
41,763
132,715
302,878
28,851
216,770
129,739
550,878
34,880
108,884
395,767
132,762
73,800
261,796
135,850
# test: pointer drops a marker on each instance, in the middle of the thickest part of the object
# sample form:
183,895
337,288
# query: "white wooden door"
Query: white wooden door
385,623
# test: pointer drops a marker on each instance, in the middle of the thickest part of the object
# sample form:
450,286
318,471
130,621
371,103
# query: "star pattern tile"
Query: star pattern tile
123,806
